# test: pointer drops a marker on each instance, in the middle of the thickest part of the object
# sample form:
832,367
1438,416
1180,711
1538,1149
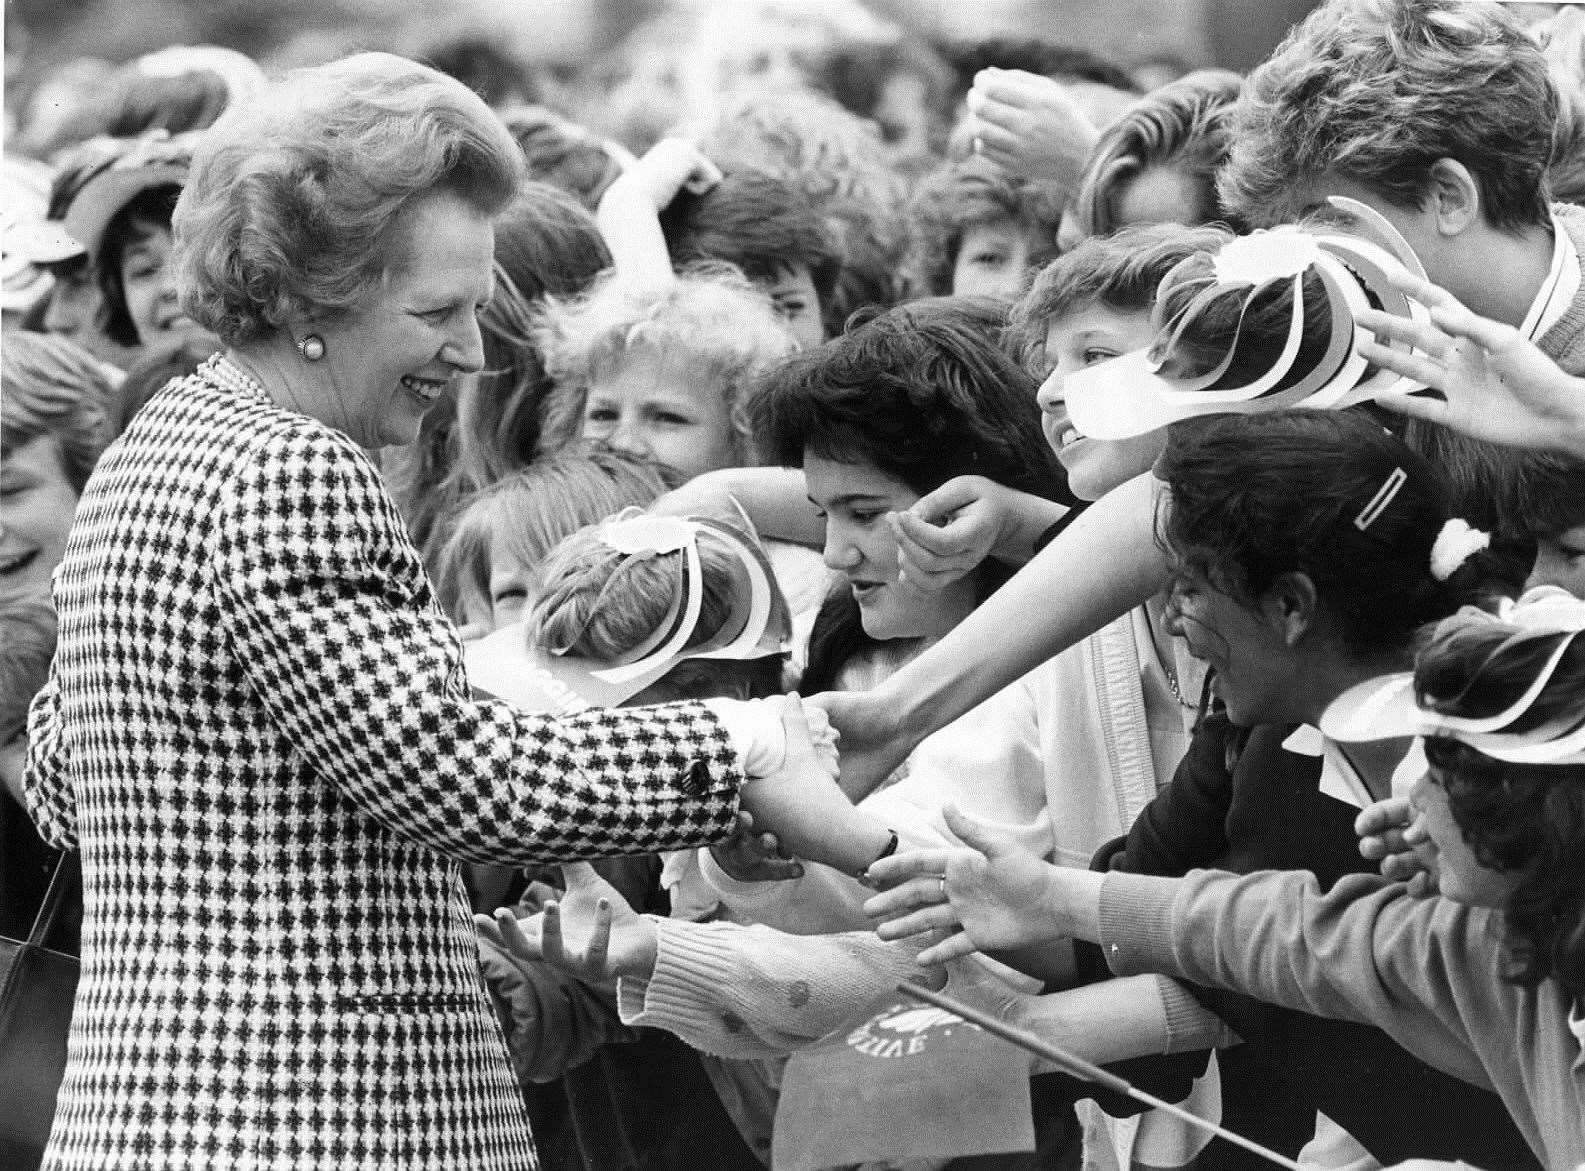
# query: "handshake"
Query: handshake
798,801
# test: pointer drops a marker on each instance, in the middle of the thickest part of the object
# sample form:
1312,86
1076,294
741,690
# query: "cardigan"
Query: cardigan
1424,970
259,734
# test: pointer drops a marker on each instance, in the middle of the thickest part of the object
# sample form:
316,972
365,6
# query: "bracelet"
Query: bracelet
891,848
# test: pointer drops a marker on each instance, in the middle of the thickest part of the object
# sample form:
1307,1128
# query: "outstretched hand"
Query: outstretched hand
1389,834
1496,384
670,166
990,894
590,932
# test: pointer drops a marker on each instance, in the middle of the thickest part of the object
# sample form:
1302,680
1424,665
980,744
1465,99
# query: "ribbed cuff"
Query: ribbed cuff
1136,923
1190,1025
683,991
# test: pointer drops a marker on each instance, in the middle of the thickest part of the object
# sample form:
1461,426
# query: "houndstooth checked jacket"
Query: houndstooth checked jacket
260,737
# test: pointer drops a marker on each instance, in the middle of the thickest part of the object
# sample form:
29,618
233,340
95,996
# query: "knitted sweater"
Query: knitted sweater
1564,343
1423,970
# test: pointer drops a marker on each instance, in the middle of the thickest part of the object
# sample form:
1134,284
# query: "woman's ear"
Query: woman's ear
1291,604
1454,197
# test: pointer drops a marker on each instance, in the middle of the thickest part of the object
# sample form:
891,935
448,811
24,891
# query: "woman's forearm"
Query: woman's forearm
1103,565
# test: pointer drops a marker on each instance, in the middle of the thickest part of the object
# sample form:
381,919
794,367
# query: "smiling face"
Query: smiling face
148,284
798,305
36,505
855,498
1459,875
993,258
389,360
659,407
1073,342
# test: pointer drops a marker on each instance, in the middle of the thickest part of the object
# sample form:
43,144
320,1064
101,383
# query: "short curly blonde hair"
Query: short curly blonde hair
710,316
292,198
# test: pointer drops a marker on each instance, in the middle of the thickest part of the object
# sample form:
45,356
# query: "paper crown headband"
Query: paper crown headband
551,679
1129,395
1383,708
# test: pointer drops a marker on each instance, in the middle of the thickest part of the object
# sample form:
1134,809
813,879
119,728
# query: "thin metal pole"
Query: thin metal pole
1080,1068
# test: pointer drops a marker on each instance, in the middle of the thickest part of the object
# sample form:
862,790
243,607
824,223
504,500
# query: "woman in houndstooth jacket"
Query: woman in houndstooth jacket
258,732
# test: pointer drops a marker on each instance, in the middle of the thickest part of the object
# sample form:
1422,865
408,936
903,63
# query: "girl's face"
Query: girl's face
658,407
1242,643
36,505
149,285
855,498
1445,853
1560,561
993,258
798,305
1073,341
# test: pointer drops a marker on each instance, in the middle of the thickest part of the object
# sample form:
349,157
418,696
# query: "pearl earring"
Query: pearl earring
312,347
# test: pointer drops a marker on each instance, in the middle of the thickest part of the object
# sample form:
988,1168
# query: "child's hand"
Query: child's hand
1497,385
946,534
750,857
612,939
824,738
670,166
1029,126
1389,834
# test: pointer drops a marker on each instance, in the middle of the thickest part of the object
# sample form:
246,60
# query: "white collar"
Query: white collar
1340,780
1558,291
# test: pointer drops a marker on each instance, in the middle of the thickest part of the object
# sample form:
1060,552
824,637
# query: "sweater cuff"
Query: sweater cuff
1190,1025
682,993
1136,923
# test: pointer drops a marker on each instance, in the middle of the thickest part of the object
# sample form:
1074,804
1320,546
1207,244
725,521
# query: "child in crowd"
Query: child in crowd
659,371
874,419
978,231
487,574
1486,980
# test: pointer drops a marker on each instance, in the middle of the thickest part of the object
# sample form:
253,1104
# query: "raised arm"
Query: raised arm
629,211
1100,567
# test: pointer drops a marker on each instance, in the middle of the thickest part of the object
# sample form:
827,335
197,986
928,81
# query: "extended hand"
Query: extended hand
947,533
991,895
590,932
1497,384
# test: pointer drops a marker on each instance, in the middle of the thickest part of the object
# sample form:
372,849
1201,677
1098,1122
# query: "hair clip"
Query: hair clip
1384,496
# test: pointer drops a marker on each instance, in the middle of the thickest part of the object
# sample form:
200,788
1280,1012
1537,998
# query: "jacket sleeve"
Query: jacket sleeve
45,782
1422,970
1185,826
331,619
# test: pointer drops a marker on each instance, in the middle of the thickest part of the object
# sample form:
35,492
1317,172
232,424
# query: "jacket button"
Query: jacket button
697,781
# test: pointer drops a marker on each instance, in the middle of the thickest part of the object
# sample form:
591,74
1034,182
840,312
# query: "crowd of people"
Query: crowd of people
532,610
